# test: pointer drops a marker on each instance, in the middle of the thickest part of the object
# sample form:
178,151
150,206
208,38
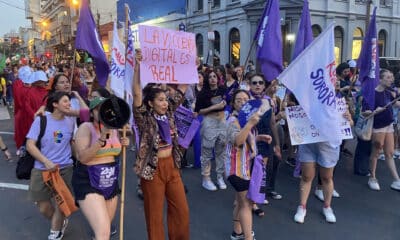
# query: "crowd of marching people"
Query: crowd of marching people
74,142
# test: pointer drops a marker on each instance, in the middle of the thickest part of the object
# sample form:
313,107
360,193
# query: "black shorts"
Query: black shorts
238,183
81,184
264,149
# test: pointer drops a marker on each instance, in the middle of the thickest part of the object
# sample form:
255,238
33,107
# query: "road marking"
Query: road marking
4,113
7,133
14,186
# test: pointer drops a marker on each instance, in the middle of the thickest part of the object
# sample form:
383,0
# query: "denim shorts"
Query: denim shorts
322,153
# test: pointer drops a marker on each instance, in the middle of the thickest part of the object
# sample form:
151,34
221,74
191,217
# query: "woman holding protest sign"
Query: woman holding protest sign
55,152
325,155
211,104
382,132
159,159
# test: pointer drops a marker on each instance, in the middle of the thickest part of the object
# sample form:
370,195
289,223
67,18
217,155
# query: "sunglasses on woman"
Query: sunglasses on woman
257,82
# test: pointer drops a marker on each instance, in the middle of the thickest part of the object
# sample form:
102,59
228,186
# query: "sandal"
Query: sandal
258,212
7,153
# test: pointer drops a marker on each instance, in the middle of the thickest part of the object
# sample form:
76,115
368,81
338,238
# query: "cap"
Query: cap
95,102
352,63
40,76
24,74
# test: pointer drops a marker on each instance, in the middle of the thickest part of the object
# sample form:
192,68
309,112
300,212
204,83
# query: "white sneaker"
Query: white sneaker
329,215
209,185
395,185
64,226
373,184
319,194
221,183
300,214
335,194
381,157
397,153
265,202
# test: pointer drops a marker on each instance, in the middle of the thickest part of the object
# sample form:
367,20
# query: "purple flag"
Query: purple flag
88,39
368,63
269,38
304,35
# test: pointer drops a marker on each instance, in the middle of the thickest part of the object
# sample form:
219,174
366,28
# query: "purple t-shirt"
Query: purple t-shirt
56,141
384,118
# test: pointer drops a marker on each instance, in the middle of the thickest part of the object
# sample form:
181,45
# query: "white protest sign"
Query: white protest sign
302,131
168,56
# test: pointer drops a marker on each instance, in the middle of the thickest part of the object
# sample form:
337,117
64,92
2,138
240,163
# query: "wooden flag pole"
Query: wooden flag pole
123,176
122,199
123,163
73,66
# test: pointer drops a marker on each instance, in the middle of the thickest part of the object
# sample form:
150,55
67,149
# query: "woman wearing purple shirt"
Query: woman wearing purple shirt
382,132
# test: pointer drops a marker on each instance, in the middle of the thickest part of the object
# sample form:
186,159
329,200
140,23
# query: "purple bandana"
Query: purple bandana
163,128
104,177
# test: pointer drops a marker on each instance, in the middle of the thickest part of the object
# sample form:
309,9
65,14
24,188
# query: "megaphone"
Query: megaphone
114,112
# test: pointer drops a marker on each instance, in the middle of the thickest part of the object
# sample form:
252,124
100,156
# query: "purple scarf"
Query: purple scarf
163,128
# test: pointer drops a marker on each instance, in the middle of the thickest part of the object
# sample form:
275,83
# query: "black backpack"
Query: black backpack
26,161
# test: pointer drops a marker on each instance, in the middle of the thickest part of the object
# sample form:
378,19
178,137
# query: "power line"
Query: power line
19,7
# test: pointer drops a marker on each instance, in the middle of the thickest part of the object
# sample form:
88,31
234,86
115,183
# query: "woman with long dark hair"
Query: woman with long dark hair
211,104
159,158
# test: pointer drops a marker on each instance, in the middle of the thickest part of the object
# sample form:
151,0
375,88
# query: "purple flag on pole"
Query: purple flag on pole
304,35
261,24
368,63
269,38
88,39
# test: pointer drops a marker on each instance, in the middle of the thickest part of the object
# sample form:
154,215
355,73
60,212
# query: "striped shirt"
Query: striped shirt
239,158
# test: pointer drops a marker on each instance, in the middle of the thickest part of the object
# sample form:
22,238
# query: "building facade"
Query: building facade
56,21
231,24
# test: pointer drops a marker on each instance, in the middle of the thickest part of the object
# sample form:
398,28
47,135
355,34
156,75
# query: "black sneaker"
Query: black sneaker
139,192
235,236
347,152
113,230
291,162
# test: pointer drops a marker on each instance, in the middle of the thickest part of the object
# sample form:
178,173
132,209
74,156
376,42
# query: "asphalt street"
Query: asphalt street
361,214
